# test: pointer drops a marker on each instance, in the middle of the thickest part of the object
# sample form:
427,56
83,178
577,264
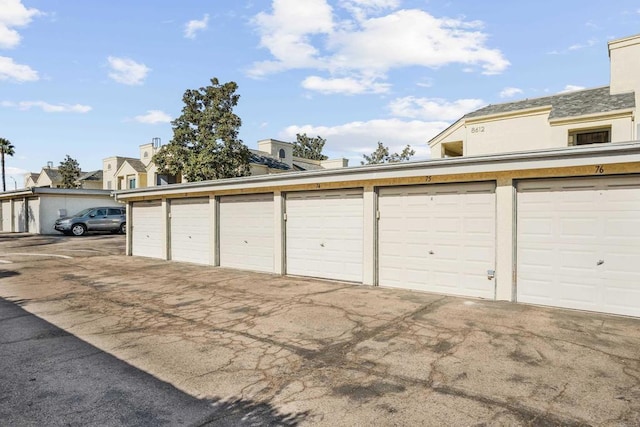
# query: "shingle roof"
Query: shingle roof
570,104
260,158
301,164
53,174
137,165
91,176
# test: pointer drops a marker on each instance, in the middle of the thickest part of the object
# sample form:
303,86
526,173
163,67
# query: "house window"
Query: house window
281,153
132,183
591,136
165,179
452,149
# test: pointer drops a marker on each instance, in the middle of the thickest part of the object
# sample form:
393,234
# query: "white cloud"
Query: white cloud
153,117
361,9
576,46
127,71
48,108
13,14
193,26
286,34
432,108
571,88
308,35
345,86
510,92
353,139
9,70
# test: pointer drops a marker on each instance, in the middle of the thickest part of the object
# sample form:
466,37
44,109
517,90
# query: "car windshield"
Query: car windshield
83,212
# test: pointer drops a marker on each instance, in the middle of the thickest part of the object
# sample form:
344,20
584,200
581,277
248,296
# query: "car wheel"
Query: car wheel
78,229
123,228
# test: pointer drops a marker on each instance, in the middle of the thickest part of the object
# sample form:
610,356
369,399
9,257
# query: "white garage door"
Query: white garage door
247,232
20,216
438,238
33,216
147,237
6,215
579,244
190,222
324,232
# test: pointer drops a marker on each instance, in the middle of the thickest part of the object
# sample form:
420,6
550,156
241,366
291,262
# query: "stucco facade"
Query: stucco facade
599,115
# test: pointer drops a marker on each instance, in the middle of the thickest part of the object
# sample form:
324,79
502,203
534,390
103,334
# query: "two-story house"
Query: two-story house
591,116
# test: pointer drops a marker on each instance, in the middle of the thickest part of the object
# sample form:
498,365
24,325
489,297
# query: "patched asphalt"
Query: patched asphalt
90,336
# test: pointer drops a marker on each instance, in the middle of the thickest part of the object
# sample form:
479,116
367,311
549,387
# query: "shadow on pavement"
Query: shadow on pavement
50,377
8,273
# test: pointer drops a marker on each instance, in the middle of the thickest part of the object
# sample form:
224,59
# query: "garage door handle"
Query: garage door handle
600,262
430,252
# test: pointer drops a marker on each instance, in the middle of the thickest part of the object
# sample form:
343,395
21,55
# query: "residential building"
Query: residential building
271,157
591,116
50,177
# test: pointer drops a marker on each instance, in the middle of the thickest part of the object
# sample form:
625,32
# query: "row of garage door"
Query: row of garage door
576,240
23,218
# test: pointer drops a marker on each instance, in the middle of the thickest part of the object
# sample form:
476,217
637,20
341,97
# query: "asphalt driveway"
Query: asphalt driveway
317,352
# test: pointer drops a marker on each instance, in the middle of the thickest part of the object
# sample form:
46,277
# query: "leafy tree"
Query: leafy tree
205,142
381,155
69,170
309,148
6,149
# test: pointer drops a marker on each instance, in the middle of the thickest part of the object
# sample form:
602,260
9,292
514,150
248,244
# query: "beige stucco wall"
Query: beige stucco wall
92,185
509,134
624,55
126,172
110,166
533,131
44,181
146,153
272,147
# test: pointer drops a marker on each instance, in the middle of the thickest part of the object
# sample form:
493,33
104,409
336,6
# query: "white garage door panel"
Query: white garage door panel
191,230
19,222
325,234
438,238
6,216
147,237
33,215
247,232
579,244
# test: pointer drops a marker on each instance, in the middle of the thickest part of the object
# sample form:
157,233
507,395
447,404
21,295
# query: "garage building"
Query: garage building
554,227
35,210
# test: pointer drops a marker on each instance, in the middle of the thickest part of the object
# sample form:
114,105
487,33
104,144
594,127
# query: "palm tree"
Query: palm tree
6,148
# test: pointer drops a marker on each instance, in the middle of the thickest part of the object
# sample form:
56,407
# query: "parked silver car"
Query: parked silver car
108,218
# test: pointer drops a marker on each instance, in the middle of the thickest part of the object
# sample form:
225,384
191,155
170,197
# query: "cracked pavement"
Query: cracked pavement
330,353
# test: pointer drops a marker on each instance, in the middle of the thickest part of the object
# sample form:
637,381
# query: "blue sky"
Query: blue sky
94,79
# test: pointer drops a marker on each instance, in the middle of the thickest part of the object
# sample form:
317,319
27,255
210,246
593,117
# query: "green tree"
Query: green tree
381,155
6,149
309,148
69,170
205,142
